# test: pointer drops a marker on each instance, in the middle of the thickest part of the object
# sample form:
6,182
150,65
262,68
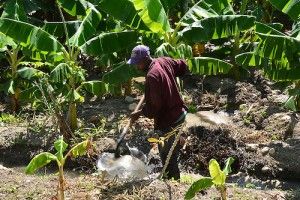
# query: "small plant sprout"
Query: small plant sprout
45,158
217,178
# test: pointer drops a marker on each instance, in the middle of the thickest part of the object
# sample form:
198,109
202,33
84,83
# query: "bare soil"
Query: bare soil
254,107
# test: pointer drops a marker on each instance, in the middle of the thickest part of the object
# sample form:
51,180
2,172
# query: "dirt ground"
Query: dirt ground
16,185
257,118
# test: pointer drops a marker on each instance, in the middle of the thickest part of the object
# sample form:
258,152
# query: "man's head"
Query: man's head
140,56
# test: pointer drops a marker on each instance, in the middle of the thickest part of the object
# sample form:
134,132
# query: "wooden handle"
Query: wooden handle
125,130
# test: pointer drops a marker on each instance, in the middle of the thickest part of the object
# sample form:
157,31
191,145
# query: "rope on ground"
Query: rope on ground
172,149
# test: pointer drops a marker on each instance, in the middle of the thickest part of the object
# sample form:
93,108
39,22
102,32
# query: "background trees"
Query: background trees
47,42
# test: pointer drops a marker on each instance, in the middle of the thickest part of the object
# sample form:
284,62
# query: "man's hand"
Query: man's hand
135,115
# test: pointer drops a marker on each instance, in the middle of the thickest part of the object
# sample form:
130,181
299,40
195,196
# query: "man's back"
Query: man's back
163,101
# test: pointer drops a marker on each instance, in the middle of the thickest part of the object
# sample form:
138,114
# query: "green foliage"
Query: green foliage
45,158
76,7
116,9
8,118
60,73
197,186
192,108
39,161
218,178
208,66
60,146
217,27
30,35
95,87
111,42
14,9
87,28
153,15
290,7
182,51
57,28
120,73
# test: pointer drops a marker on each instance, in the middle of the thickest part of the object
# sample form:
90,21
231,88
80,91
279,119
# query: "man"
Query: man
162,99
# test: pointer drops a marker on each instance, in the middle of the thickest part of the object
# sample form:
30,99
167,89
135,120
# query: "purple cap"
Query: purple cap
138,53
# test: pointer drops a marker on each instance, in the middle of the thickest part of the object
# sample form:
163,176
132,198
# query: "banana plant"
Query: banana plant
13,53
68,77
278,53
217,178
45,158
209,21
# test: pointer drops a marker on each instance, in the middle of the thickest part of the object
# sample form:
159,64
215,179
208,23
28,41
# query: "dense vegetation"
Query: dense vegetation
56,53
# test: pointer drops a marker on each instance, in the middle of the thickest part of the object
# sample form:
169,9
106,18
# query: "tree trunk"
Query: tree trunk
72,117
61,184
127,86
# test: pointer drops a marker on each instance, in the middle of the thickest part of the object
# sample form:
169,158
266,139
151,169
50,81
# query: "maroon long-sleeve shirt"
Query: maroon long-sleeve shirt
163,101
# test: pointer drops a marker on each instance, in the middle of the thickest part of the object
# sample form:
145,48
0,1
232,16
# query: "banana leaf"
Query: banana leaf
267,29
199,11
6,41
87,28
153,15
180,51
222,7
278,47
60,73
217,27
74,7
60,146
290,7
29,35
124,11
217,175
32,6
80,149
121,73
8,87
39,161
168,4
198,186
207,9
34,54
74,96
111,42
57,28
29,73
296,31
14,9
249,59
95,87
283,74
208,66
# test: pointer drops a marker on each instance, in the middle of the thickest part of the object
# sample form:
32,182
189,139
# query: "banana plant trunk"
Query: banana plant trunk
127,86
15,101
223,191
61,184
72,116
297,100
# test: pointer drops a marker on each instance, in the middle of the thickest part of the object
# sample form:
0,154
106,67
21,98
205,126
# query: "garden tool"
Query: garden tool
125,130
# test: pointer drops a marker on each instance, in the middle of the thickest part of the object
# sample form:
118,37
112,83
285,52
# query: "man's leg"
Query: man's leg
172,170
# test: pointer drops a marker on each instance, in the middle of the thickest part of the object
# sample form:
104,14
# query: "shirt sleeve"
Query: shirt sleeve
180,67
153,98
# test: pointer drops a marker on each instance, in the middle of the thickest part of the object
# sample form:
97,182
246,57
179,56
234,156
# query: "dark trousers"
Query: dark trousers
172,170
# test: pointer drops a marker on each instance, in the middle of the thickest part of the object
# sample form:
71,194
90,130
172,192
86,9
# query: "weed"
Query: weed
8,118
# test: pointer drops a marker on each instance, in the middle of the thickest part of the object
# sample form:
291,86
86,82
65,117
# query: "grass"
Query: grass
8,118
